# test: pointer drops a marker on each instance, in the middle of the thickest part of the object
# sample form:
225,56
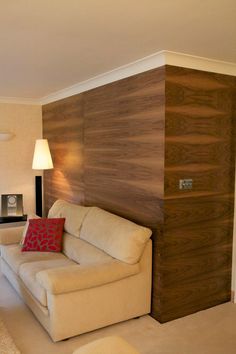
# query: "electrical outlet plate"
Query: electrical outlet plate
186,183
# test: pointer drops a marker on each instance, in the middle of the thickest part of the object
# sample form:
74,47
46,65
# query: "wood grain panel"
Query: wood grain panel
183,267
124,147
63,127
199,293
178,154
196,236
190,210
195,246
205,178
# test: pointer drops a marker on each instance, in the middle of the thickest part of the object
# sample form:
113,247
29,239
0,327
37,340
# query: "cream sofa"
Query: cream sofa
102,276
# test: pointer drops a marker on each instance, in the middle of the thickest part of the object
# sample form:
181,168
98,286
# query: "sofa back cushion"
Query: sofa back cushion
120,238
83,252
73,214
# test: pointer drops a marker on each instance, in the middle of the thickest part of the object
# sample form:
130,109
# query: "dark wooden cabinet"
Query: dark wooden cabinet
12,219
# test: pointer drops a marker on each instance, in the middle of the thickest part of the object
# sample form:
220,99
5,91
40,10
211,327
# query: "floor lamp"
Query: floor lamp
42,160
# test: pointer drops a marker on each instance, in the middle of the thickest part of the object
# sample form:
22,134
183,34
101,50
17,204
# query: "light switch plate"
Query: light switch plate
186,183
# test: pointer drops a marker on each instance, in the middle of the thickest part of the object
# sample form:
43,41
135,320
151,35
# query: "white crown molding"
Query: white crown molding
200,63
19,100
153,61
147,63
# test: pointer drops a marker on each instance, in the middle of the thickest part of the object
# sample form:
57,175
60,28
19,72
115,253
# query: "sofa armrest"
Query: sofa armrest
77,277
11,235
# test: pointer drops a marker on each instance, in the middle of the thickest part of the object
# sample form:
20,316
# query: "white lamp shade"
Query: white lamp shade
42,158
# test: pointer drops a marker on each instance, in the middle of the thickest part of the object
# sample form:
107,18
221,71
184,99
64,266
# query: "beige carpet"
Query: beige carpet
7,345
208,332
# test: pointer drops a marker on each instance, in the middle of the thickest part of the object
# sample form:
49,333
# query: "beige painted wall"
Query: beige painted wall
16,174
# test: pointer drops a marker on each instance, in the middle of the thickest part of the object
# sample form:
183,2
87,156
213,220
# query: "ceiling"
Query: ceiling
48,45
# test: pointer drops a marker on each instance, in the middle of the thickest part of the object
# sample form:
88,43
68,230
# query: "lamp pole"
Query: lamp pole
42,160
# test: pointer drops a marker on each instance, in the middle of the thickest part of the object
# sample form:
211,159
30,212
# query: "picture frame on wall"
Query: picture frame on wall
12,204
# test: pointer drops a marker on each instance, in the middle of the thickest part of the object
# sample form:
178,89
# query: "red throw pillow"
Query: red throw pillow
44,235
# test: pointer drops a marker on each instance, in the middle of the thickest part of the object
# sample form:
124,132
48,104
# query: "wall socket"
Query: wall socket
186,183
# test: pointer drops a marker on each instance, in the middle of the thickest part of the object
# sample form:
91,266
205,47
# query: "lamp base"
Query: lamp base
38,196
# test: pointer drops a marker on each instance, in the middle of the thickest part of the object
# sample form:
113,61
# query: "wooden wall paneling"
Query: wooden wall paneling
124,147
197,236
63,127
196,246
123,150
208,290
196,209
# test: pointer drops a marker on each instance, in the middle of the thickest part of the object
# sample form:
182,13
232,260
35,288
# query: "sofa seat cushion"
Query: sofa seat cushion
77,277
13,256
73,214
83,252
120,238
28,272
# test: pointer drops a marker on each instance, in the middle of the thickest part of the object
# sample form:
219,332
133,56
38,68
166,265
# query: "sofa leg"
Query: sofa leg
136,318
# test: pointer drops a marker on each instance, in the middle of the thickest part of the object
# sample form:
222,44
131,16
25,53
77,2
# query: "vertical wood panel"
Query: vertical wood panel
63,127
196,244
124,147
